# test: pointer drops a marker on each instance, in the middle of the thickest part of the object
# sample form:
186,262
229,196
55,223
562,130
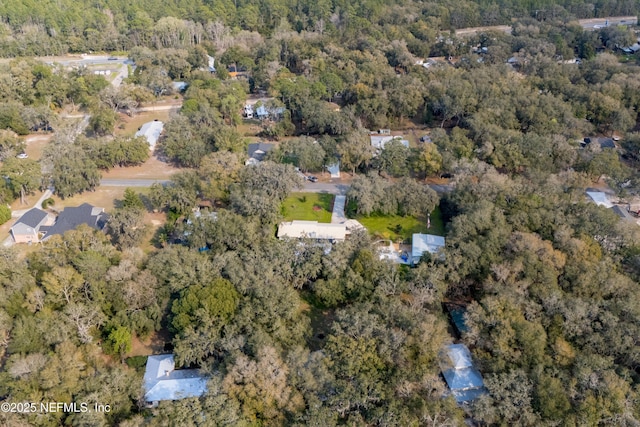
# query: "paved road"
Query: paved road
131,182
587,24
85,60
321,187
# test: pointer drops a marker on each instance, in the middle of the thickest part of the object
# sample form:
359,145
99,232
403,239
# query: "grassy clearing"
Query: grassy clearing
394,227
104,197
308,206
130,125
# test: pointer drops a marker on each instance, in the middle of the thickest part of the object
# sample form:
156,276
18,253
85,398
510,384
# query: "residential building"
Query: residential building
463,379
162,381
623,213
72,217
179,86
421,243
151,131
312,230
275,113
27,227
257,152
600,198
380,141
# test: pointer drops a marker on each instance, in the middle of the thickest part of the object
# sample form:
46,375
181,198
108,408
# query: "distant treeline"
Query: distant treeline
30,27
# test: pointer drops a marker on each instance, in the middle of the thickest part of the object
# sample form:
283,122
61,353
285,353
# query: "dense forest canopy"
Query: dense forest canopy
292,332
53,28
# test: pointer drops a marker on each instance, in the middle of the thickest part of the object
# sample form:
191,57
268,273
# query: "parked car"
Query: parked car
312,178
112,58
22,156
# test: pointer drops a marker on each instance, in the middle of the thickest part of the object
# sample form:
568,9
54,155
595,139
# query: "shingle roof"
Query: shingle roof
32,218
623,213
259,150
71,218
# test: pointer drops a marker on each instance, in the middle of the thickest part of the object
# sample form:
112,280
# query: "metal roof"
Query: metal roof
312,230
600,198
163,382
421,243
463,379
151,131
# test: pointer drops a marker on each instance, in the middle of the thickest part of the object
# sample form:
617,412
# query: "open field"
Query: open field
308,206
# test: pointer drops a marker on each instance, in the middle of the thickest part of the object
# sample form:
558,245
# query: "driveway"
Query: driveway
338,216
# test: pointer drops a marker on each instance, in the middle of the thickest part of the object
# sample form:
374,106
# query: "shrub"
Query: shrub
5,214
47,202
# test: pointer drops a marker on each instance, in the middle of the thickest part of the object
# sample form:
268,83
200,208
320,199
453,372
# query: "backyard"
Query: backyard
394,227
308,206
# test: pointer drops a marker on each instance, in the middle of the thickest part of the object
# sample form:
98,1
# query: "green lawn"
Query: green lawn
308,206
393,227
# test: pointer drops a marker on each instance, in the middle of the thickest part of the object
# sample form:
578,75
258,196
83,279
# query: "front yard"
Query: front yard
308,206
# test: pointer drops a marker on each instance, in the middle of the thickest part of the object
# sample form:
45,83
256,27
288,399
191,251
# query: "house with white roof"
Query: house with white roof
421,243
162,381
600,198
151,131
463,379
379,141
312,230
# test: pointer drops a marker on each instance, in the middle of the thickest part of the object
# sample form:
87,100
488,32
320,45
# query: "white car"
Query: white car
22,156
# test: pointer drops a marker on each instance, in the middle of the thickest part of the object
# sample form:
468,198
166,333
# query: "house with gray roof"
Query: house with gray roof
72,217
162,381
623,213
27,228
257,152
